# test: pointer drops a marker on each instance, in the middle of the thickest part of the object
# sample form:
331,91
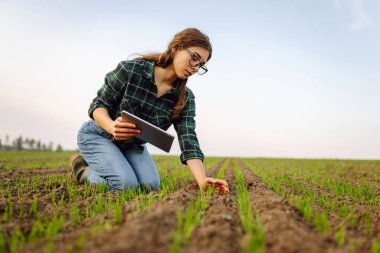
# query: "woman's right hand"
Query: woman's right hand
122,130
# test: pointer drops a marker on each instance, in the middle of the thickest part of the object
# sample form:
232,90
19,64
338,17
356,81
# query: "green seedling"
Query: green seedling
118,213
376,246
368,224
305,209
8,213
36,231
17,239
340,236
251,223
322,223
80,242
3,242
52,197
34,207
21,210
74,215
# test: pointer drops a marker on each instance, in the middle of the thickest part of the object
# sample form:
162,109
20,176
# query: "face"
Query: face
187,61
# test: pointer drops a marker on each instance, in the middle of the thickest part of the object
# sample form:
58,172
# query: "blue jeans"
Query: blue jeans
119,168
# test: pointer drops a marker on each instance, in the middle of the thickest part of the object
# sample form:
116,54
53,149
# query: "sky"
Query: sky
294,79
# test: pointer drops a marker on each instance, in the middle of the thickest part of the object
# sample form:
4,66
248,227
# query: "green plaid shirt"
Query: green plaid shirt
131,87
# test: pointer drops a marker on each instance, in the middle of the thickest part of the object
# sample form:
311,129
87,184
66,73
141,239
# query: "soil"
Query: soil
221,228
15,174
357,236
285,229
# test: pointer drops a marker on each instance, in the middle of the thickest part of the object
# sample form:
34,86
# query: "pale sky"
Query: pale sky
287,78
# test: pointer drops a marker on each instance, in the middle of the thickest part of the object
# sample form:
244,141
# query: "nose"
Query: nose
195,69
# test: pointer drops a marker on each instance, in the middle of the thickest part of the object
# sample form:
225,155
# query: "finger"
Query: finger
217,184
127,121
122,139
217,187
125,124
124,136
221,187
221,181
127,130
221,190
217,181
127,134
211,180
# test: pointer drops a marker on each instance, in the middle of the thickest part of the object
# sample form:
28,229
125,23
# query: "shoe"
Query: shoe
78,168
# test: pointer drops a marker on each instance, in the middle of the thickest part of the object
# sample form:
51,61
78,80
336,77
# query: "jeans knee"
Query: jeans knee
123,183
152,184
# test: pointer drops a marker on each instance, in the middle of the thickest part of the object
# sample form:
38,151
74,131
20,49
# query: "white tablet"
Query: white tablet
149,132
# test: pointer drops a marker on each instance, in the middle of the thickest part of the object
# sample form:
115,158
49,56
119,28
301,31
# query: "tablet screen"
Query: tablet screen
149,132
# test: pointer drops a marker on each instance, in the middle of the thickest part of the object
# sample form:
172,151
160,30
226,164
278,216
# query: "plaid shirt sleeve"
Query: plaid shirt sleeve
185,128
111,93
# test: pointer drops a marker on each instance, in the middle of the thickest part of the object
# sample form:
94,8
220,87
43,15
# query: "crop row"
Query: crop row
351,172
249,220
331,206
191,217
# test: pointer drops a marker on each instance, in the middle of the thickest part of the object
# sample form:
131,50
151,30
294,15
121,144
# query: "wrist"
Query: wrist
108,127
196,167
202,183
102,118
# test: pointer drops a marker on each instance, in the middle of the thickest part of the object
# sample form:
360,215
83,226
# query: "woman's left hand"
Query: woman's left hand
219,185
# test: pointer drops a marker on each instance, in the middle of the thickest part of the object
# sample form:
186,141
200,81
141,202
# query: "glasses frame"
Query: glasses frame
194,57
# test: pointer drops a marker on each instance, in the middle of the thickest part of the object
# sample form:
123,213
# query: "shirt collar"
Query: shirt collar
148,70
148,74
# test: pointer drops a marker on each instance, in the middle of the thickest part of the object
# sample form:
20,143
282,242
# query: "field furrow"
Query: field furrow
220,229
285,230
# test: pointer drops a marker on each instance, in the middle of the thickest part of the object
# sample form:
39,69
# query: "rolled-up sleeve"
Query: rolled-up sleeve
110,94
185,128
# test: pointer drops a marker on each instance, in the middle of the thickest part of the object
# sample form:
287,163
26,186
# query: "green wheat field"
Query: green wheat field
274,205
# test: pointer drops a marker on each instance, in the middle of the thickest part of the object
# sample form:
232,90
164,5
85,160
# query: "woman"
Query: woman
153,87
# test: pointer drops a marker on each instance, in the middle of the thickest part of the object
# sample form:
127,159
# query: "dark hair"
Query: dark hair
184,39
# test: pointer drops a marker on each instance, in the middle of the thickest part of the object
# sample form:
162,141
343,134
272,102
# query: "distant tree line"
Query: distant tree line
21,143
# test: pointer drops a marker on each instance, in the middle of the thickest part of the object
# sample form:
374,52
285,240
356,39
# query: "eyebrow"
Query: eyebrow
199,57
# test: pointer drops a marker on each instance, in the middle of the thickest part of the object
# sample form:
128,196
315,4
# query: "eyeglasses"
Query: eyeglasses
196,62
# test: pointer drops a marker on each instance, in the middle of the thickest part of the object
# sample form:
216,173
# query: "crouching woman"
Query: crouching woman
153,87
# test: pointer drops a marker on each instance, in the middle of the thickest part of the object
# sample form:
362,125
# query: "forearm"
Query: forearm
196,167
102,118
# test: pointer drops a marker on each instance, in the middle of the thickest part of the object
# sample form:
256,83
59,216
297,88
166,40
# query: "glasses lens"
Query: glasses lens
194,61
202,70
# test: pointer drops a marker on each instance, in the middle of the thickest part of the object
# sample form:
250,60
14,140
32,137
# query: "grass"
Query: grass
250,221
